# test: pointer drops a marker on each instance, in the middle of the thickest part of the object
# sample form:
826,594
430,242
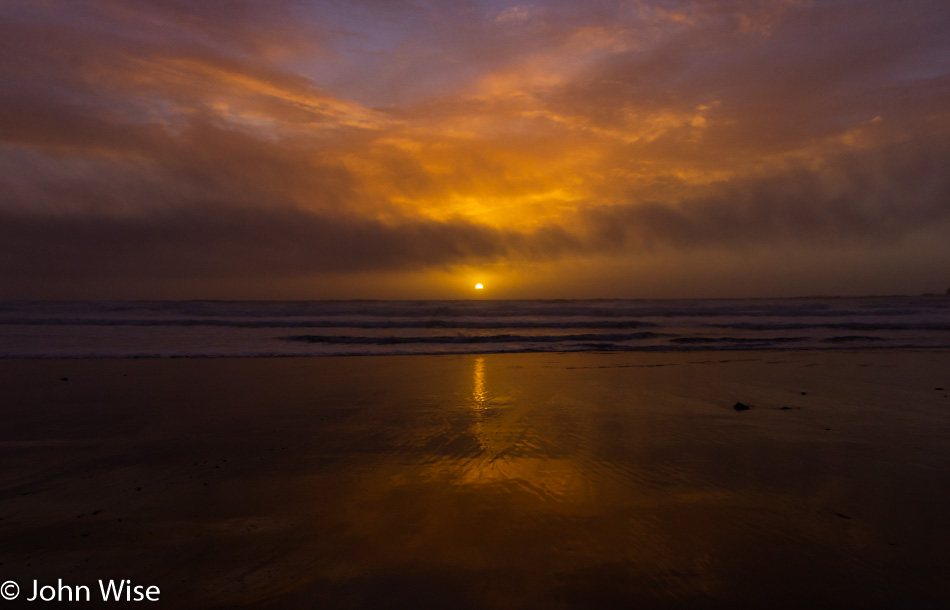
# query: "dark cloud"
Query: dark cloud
211,241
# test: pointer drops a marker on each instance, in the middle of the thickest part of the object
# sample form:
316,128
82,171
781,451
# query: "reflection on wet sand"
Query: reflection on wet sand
624,486
512,456
495,481
479,395
479,401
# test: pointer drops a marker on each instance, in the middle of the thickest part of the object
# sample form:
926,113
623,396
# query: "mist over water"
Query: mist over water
124,329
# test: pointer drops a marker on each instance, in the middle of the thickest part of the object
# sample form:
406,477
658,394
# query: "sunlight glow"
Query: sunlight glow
479,394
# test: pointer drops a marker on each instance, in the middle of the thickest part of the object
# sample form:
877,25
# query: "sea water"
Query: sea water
125,329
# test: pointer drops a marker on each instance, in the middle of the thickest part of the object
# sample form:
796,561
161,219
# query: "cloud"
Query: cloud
208,241
876,197
871,197
251,139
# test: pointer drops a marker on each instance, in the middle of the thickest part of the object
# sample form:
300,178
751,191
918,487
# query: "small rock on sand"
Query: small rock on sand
741,407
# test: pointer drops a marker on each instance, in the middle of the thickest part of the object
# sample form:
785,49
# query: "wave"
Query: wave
454,339
551,348
738,340
851,338
834,326
364,324
601,309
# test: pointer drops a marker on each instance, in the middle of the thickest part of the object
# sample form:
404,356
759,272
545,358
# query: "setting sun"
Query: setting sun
478,286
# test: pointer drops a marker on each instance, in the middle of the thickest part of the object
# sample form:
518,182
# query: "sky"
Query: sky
244,149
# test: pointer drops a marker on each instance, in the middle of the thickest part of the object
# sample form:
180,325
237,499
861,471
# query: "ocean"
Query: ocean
135,329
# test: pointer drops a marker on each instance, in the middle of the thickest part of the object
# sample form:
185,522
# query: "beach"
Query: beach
540,480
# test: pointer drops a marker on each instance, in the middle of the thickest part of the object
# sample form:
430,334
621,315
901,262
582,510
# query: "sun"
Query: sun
478,286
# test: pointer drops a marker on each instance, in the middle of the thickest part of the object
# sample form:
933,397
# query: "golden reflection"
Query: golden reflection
514,455
479,395
479,400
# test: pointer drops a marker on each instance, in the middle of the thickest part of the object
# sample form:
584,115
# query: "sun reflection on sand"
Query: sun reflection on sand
479,395
512,454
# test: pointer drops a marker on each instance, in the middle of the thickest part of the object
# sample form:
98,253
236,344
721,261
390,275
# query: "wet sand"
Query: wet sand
495,481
